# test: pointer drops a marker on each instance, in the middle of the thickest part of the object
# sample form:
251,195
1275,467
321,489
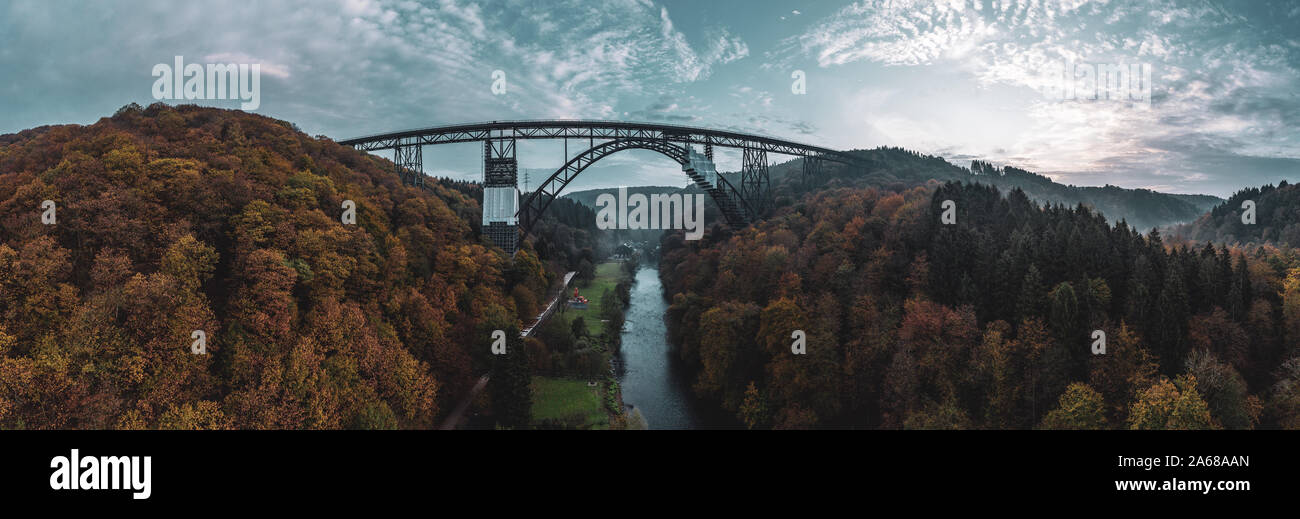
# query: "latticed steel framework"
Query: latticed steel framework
590,130
724,194
409,160
812,168
500,194
750,201
755,183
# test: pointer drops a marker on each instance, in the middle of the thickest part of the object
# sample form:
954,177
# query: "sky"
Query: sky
965,80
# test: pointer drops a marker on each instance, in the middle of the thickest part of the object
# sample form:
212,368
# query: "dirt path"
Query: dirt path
454,418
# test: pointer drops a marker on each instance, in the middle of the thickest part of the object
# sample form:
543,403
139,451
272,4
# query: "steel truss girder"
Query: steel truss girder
499,148
592,131
500,167
538,200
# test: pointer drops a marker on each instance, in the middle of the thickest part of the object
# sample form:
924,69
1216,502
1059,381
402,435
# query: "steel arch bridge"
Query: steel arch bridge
503,215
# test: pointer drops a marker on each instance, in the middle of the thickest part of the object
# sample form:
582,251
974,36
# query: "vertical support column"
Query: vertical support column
409,159
754,181
501,194
812,168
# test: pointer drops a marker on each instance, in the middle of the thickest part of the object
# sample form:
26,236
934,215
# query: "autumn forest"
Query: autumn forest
987,322
176,219
171,220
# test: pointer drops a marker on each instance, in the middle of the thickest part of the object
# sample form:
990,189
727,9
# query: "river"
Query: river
652,379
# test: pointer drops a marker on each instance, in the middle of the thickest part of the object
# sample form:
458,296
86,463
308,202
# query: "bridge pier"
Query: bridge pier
750,196
409,159
812,168
755,184
501,194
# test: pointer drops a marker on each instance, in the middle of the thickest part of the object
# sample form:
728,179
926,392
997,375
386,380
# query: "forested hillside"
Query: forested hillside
1277,218
985,323
898,168
646,236
587,197
176,219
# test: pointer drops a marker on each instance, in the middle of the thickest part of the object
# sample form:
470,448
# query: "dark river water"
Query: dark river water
651,378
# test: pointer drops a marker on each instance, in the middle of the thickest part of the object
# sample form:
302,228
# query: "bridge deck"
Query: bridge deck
590,129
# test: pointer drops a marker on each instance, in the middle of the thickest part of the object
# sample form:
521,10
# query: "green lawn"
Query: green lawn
609,269
566,399
607,276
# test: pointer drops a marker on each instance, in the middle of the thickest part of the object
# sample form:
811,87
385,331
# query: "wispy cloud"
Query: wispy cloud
1223,77
402,58
962,77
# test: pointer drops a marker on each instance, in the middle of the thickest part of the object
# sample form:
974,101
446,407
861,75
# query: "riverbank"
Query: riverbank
655,384
575,387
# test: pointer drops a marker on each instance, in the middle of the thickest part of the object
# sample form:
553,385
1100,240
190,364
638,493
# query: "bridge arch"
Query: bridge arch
739,206
726,196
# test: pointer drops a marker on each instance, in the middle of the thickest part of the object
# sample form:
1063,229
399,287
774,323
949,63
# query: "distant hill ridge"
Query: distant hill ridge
1142,208
896,168
1277,218
587,197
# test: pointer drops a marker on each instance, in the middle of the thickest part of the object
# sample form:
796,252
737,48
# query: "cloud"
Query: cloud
960,76
373,65
666,109
271,69
1221,76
